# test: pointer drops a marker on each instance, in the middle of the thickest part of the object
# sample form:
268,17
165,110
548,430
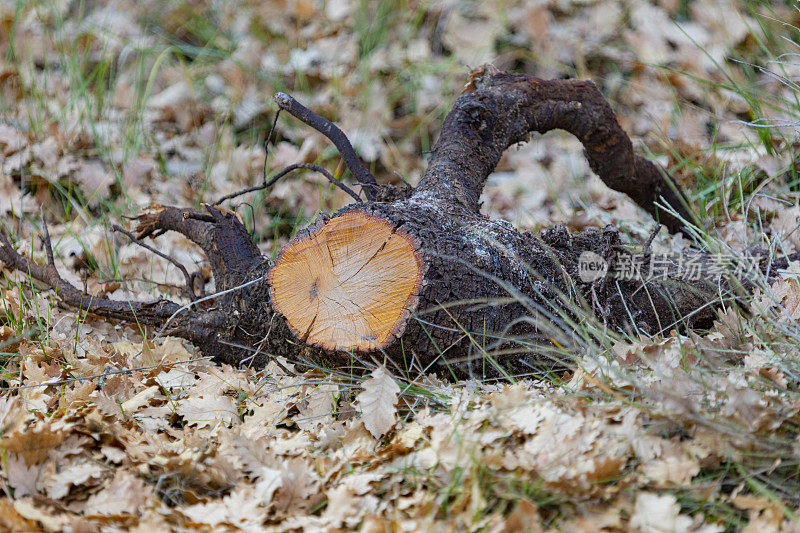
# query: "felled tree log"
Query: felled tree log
418,277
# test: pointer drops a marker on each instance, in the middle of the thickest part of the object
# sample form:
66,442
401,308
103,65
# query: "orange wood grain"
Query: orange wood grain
347,286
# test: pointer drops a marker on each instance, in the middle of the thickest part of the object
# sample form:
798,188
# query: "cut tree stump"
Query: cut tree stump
419,277
349,284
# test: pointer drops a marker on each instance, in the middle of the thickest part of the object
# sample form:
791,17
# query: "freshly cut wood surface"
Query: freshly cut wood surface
348,285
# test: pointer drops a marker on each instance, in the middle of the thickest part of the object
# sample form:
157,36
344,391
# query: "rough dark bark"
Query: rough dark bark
493,301
498,109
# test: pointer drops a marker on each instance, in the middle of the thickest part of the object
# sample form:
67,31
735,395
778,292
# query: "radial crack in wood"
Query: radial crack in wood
349,283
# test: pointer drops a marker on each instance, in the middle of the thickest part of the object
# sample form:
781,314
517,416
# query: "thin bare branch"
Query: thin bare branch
287,170
196,326
336,136
189,288
48,247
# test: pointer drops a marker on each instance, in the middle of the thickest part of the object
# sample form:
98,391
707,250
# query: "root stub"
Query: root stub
348,285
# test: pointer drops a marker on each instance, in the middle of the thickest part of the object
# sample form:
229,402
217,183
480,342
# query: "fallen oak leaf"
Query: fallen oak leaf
12,519
94,180
124,494
58,485
241,508
376,402
47,521
674,468
33,445
108,405
655,513
787,292
23,478
12,415
205,412
317,410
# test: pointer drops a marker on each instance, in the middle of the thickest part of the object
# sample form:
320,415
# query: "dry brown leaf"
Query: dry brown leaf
318,407
176,380
13,520
746,406
107,405
763,514
35,445
207,412
214,383
141,399
299,485
659,514
50,522
94,180
77,473
11,139
671,470
12,415
516,410
377,402
592,521
787,291
125,494
240,508
342,505
524,517
23,478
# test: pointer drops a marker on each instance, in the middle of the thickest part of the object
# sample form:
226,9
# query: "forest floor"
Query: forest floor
108,107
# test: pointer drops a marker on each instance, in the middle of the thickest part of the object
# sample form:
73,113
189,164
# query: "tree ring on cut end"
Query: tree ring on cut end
348,285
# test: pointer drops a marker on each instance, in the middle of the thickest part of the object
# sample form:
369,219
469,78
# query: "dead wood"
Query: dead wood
498,109
419,277
336,136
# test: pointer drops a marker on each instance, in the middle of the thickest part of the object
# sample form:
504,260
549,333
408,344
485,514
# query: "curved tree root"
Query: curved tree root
498,109
484,299
189,325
